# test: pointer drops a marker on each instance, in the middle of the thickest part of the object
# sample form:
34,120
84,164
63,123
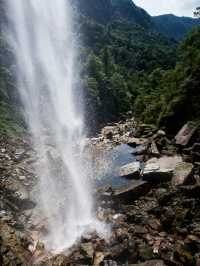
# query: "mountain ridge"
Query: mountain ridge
173,26
107,11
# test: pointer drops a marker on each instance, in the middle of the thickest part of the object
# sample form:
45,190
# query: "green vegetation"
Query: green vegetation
11,122
175,27
131,68
113,56
127,67
172,97
197,12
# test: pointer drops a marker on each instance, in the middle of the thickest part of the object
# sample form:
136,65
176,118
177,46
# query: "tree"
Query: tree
197,12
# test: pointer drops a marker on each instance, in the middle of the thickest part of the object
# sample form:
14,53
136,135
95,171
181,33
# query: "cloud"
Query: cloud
179,8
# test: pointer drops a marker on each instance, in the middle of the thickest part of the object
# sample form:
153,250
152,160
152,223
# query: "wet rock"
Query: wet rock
131,170
182,174
19,155
132,191
16,187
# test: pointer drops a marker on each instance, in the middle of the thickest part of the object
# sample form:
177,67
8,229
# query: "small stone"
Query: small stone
161,133
98,258
22,178
87,249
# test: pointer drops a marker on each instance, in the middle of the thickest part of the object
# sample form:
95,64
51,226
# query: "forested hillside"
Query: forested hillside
10,117
127,67
173,26
117,48
172,97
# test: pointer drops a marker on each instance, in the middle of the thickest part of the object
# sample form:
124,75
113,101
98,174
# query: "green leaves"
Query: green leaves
170,98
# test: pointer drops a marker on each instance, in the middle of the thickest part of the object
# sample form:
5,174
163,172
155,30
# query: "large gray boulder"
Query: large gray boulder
160,170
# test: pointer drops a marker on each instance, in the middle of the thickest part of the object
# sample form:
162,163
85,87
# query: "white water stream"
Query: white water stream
41,34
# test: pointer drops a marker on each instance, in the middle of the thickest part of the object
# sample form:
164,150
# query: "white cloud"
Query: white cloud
176,7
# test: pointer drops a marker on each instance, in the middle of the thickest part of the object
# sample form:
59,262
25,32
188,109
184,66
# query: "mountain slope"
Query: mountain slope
103,11
173,26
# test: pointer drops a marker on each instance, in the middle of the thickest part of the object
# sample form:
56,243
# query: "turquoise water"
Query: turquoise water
118,156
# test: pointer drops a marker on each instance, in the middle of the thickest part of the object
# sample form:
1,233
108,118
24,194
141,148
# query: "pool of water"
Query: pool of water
111,162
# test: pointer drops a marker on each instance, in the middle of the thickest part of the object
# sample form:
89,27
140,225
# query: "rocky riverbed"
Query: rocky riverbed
154,219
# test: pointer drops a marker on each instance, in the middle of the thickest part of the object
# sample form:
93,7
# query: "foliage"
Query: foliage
112,53
172,97
197,12
126,65
173,26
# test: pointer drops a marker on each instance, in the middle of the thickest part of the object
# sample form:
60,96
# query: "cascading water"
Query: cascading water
40,33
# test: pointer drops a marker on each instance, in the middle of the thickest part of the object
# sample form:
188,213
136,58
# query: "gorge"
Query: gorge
99,135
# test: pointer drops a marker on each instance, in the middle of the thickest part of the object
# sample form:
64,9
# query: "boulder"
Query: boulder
154,149
134,142
185,134
132,191
160,170
131,170
182,174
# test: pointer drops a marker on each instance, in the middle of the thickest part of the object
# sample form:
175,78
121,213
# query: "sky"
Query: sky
176,7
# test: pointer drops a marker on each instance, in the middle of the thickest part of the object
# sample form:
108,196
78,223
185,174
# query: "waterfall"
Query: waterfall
41,35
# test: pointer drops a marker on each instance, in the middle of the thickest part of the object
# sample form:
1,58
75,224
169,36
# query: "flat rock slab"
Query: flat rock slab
160,170
131,170
132,191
